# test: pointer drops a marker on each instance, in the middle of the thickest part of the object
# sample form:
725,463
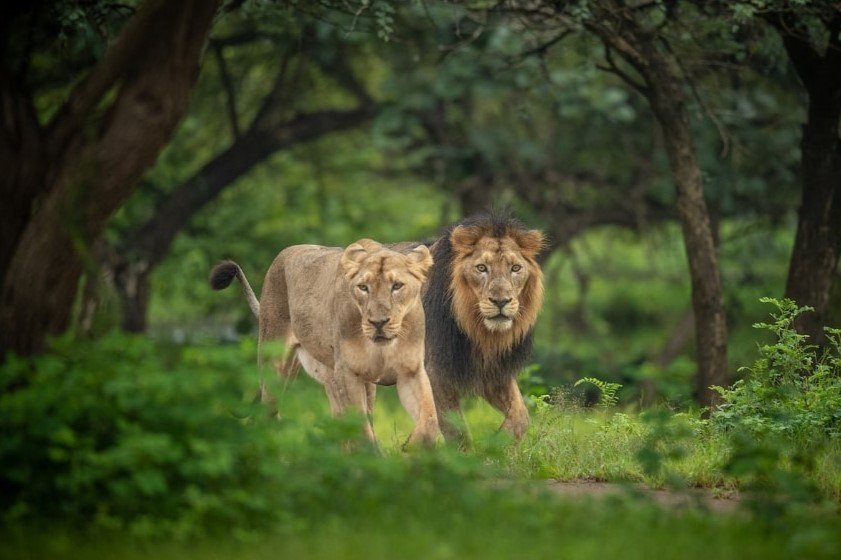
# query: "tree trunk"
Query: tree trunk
93,161
663,86
707,294
814,257
133,287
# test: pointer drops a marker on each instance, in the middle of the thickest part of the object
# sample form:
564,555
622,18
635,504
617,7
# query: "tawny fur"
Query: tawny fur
351,318
474,346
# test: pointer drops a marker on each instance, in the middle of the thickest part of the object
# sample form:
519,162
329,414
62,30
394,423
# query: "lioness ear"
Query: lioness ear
352,258
531,242
419,261
369,245
463,239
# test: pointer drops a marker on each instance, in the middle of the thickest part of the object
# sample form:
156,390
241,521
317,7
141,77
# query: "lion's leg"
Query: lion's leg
287,367
346,390
263,395
370,399
447,408
507,399
315,369
288,363
415,394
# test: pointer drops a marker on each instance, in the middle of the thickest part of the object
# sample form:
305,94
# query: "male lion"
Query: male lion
481,302
351,318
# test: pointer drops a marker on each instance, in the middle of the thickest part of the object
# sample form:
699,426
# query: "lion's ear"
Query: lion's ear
463,239
353,256
369,245
531,242
419,261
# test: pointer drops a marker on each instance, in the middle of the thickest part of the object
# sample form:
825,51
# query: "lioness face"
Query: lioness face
495,269
385,285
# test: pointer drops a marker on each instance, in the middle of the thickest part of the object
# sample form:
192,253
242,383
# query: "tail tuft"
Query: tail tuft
223,274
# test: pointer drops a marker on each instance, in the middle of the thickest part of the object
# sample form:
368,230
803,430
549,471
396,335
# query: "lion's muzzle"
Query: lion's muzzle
379,332
498,313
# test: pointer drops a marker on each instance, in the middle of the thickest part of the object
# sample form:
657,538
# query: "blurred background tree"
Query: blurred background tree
659,144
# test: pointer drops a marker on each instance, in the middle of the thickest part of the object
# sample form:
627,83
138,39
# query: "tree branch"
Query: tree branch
228,88
153,238
68,121
614,69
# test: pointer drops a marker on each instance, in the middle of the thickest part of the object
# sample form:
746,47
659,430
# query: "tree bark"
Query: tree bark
707,295
92,161
663,87
815,255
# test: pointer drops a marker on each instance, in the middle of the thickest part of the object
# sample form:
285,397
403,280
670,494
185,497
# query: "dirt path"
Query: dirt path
691,498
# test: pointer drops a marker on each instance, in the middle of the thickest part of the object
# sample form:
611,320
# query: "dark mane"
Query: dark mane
448,349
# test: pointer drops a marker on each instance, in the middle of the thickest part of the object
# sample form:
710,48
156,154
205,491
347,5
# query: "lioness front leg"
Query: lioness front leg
344,390
508,400
415,394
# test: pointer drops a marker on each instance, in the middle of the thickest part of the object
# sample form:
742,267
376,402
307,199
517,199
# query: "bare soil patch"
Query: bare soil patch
689,498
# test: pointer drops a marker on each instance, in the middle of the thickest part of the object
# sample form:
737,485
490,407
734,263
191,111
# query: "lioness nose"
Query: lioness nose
379,324
501,303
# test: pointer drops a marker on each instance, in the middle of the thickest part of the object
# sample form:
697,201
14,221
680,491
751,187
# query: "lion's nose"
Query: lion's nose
500,303
379,324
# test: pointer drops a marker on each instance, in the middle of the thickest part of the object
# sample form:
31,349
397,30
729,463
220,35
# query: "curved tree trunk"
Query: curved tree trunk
92,162
663,87
698,239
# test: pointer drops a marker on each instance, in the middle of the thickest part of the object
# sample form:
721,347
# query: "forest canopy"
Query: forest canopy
682,157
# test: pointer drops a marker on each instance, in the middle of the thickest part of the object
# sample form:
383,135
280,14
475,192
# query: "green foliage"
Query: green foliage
335,196
669,439
615,299
532,385
791,391
131,435
607,391
126,433
143,444
783,416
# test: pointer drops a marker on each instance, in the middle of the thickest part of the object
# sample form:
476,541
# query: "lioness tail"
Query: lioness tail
223,274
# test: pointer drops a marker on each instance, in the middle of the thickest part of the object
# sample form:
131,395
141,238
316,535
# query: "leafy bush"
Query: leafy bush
123,431
790,391
127,434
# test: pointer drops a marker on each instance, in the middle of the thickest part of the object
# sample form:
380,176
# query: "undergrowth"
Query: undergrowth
128,441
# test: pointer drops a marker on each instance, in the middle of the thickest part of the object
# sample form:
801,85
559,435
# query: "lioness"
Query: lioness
351,318
481,302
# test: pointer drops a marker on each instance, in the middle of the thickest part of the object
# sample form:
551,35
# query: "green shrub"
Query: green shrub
127,434
791,391
783,418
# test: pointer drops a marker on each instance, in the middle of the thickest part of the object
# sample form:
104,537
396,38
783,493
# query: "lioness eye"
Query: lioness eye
396,286
516,268
362,288
481,268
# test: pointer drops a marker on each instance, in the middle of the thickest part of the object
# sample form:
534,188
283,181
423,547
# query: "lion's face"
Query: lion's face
496,272
385,285
496,281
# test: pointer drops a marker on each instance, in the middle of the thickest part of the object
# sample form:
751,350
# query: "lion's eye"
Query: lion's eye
481,268
396,286
362,288
516,268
